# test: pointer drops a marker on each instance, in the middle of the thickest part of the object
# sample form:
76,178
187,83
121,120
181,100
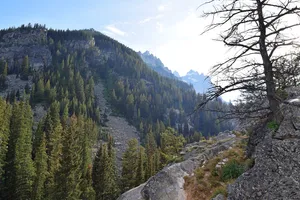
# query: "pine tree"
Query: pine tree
5,69
54,151
23,162
40,89
129,165
109,185
104,174
151,147
69,176
47,90
88,192
140,174
79,85
25,68
41,168
5,113
171,145
97,173
3,73
19,173
88,132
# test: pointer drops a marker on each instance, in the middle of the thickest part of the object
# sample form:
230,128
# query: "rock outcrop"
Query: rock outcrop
15,45
168,183
118,127
74,45
276,173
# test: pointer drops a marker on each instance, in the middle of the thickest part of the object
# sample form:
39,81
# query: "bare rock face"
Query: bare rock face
118,127
219,197
168,183
276,173
74,45
15,45
14,83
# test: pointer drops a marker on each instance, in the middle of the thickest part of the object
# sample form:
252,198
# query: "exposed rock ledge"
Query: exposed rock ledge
168,183
276,173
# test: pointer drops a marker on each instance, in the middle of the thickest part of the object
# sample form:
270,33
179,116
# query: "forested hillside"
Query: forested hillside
51,157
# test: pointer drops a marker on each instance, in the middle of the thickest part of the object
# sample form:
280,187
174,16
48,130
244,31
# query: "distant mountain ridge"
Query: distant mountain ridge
200,82
155,63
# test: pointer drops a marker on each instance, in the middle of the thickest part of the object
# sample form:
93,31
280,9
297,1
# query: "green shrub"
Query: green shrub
199,174
282,94
214,172
231,170
219,190
273,125
249,163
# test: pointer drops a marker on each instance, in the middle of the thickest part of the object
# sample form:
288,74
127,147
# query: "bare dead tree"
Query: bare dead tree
259,31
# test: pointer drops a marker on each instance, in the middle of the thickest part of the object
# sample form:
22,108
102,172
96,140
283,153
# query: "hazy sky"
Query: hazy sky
169,29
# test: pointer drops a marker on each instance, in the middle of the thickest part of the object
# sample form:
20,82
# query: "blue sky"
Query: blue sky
169,29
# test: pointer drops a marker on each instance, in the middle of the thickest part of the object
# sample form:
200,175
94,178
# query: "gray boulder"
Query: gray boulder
219,197
276,173
168,183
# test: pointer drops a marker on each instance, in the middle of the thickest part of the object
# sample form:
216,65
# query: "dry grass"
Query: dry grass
207,181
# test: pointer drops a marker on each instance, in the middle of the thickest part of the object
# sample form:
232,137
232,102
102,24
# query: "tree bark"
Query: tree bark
268,68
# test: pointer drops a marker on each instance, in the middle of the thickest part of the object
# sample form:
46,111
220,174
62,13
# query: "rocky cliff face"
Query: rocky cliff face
276,173
74,45
168,183
15,45
118,127
156,64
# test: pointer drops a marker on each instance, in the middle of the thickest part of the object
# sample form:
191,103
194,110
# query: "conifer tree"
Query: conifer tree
5,113
97,173
140,174
20,169
25,68
41,168
40,89
79,84
5,69
151,147
88,130
47,90
88,192
129,165
109,185
171,145
69,176
54,147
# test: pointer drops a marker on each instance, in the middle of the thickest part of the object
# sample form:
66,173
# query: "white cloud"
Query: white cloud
186,49
115,30
159,27
161,8
148,19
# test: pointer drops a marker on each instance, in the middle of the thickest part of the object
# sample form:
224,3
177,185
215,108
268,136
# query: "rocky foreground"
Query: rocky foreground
276,173
168,183
276,170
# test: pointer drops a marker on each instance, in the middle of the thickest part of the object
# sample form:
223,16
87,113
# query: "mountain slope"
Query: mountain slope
155,63
146,99
200,82
83,88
